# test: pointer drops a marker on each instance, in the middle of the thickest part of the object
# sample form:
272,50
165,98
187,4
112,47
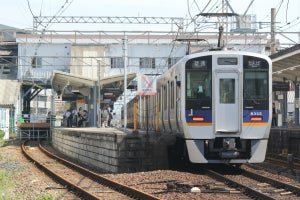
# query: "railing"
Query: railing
34,134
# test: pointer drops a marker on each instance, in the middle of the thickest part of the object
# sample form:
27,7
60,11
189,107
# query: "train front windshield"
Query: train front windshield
256,83
198,83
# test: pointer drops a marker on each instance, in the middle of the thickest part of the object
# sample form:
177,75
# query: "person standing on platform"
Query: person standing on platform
274,115
48,117
105,116
110,117
75,117
80,117
85,118
68,117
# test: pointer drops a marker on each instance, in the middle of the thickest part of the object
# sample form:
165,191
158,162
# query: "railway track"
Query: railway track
89,185
85,183
254,185
284,164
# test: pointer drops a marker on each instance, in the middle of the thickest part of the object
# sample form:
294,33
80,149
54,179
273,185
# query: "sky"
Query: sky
19,13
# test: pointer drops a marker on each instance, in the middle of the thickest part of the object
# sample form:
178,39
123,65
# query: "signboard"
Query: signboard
281,86
146,85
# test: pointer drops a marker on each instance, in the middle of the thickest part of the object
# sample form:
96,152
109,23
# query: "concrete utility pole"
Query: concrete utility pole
99,93
273,29
125,79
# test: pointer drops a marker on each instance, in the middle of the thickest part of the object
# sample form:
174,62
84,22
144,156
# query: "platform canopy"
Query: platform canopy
286,64
62,82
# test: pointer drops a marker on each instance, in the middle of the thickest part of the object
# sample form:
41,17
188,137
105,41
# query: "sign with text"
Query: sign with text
146,85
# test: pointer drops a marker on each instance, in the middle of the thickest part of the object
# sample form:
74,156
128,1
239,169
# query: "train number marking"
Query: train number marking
256,113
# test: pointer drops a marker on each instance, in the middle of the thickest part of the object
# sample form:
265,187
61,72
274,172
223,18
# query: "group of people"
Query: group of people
74,118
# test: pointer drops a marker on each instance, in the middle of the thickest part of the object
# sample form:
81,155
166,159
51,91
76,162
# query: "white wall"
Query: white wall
50,57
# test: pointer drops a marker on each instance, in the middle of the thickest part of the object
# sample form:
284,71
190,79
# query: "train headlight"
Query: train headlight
256,119
198,119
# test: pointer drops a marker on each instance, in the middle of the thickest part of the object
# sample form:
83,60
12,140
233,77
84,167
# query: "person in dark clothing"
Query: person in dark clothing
80,117
48,117
110,117
83,117
274,116
68,117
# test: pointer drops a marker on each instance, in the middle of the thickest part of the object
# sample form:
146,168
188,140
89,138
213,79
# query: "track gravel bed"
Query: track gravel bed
268,170
24,180
28,182
78,179
169,184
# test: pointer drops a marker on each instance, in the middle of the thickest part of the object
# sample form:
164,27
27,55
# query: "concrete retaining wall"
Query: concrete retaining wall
110,150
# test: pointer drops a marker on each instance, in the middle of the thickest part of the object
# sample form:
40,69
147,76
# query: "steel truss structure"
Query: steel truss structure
43,21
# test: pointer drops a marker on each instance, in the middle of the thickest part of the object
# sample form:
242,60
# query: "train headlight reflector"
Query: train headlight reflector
198,119
256,119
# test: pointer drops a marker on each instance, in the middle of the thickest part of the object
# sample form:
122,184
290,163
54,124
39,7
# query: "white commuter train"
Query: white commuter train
217,102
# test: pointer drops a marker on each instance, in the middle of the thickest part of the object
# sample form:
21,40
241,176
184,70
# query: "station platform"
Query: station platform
111,150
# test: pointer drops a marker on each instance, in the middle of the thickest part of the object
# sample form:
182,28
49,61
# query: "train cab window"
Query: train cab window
256,89
227,91
198,83
256,83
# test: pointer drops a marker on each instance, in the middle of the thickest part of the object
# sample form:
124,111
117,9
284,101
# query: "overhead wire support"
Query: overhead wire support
218,14
221,30
41,20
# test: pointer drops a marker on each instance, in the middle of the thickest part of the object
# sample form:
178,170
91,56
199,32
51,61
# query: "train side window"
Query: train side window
172,94
227,91
165,98
159,100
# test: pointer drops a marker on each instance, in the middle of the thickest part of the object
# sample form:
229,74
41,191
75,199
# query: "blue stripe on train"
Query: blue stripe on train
247,114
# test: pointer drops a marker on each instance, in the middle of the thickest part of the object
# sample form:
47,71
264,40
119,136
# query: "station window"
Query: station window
172,61
147,62
117,62
6,70
36,62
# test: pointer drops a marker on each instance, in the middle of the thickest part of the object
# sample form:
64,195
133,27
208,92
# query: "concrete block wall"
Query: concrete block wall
95,150
110,150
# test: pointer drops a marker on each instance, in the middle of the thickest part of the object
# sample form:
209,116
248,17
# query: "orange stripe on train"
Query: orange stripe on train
244,124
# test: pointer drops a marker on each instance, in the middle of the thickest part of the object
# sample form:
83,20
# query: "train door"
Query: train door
227,112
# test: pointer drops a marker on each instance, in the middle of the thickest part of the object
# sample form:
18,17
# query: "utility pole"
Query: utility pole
125,79
273,29
99,92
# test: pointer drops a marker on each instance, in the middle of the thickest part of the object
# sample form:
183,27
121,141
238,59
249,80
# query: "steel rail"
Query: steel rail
96,177
294,189
60,179
246,190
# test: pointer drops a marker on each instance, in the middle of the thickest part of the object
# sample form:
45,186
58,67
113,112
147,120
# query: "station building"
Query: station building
57,71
